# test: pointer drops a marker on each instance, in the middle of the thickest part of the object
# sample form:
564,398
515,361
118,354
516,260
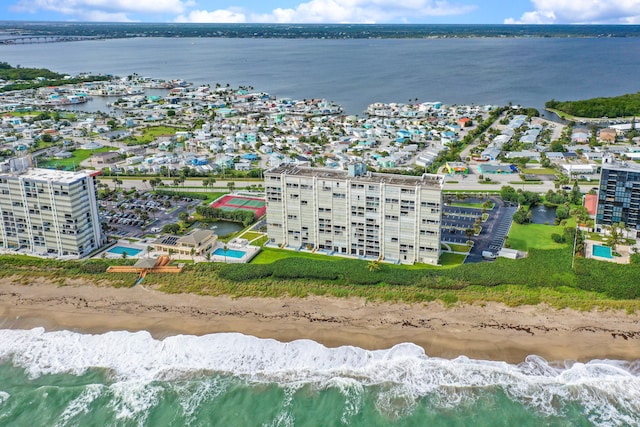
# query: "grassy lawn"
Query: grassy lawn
458,248
451,260
151,133
260,241
540,171
528,236
251,235
466,205
74,161
269,255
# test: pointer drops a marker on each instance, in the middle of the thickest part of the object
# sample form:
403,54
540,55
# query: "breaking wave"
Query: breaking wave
609,391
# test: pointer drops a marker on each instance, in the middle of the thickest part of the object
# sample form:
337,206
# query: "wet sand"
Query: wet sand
488,331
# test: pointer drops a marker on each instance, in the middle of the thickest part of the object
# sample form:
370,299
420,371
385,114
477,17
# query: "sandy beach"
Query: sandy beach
481,331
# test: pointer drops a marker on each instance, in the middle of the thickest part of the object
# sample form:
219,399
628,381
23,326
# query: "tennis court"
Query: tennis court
229,202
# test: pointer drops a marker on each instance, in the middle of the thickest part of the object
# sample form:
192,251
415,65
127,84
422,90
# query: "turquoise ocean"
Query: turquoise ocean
131,379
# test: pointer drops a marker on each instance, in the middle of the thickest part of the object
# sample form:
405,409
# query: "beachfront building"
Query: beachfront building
48,212
355,213
196,243
619,194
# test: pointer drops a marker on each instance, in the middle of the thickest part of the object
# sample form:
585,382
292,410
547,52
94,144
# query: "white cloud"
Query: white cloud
581,12
102,10
336,11
226,16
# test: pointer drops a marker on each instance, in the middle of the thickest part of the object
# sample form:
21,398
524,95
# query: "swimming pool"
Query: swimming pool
602,251
230,253
119,250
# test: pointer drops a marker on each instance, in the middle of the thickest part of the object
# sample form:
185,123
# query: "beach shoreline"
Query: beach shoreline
488,331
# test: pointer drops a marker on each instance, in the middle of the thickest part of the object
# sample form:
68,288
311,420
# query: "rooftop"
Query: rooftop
428,180
46,175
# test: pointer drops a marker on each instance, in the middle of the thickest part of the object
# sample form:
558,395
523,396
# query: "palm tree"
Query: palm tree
149,249
225,253
615,236
373,266
193,253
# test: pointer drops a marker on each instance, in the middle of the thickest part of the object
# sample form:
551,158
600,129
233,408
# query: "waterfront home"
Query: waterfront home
607,136
580,135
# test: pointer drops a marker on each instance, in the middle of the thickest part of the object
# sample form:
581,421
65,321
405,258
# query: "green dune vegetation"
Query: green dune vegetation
545,276
619,106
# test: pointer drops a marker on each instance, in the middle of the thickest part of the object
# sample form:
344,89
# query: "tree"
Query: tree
193,253
520,216
469,232
149,249
556,146
373,266
615,236
575,196
508,194
231,185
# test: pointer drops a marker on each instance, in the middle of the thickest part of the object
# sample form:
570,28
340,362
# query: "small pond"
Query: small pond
221,228
540,214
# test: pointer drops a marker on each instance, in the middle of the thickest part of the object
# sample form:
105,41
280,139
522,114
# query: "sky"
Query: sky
328,11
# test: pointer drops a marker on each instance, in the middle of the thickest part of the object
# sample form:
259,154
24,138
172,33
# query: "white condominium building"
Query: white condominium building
355,213
48,212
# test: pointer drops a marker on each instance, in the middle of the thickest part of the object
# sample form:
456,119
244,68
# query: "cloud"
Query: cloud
226,16
336,11
102,10
581,12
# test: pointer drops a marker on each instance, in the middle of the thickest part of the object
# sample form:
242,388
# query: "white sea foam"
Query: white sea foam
80,405
4,396
610,390
192,394
133,399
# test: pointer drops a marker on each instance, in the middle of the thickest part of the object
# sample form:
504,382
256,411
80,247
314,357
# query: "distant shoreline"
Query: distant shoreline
101,31
489,331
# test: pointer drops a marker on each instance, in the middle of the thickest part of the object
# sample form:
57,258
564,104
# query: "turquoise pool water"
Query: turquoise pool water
602,251
119,250
230,253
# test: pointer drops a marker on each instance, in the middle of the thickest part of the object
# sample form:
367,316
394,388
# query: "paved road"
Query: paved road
195,182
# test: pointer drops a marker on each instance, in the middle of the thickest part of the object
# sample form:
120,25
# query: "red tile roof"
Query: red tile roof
591,203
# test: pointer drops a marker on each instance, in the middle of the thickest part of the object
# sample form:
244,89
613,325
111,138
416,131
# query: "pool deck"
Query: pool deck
250,252
623,250
124,244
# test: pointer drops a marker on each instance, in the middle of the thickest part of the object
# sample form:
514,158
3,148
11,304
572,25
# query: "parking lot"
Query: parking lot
148,213
456,220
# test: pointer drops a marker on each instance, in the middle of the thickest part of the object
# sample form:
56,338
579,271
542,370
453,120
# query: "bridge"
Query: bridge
45,39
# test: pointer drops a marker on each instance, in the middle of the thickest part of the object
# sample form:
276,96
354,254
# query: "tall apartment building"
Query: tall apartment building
619,195
48,212
356,213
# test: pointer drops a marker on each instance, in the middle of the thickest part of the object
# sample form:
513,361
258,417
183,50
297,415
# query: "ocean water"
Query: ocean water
130,379
356,73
